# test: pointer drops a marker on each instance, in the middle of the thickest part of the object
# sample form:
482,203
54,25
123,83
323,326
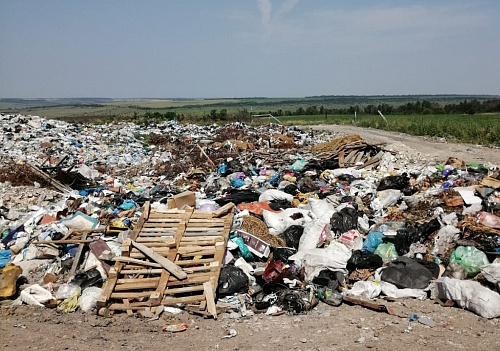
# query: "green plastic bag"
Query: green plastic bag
244,251
387,252
298,166
469,257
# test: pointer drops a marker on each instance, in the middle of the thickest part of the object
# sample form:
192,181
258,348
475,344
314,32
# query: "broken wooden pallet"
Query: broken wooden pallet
147,274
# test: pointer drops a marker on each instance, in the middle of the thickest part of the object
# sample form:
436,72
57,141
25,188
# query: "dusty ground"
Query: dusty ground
420,147
325,328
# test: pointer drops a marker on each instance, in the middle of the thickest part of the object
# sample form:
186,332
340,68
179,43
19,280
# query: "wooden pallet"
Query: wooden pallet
191,240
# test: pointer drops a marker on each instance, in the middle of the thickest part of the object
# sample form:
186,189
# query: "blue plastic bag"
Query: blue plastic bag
222,169
128,204
4,258
373,240
237,182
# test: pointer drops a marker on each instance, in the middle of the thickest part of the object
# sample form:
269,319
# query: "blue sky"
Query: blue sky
244,48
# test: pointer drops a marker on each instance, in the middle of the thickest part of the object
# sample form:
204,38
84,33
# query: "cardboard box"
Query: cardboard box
186,198
256,246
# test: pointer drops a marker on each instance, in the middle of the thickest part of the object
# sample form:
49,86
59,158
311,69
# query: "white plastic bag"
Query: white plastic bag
392,290
89,297
279,222
370,289
67,291
274,194
334,258
352,239
321,207
491,273
35,295
469,295
312,232
388,197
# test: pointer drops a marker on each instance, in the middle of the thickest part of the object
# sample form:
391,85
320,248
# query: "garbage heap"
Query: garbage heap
237,219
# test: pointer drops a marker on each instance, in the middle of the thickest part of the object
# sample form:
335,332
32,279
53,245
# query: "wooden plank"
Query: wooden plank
78,255
200,238
197,279
206,233
137,280
193,262
135,261
210,298
347,159
129,311
186,299
218,227
205,220
146,241
359,157
145,271
130,295
229,207
173,291
164,262
135,286
102,301
159,230
140,223
341,159
158,249
56,184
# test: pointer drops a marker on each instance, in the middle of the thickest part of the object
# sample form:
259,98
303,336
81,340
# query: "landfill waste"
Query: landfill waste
175,328
237,220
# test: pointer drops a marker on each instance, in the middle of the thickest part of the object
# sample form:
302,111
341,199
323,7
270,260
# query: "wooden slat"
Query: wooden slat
172,291
186,299
164,262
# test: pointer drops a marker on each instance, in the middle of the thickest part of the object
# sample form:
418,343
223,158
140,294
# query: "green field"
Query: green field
477,129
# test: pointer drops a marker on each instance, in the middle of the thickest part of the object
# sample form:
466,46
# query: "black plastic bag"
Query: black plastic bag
330,279
344,220
307,185
238,196
232,280
405,272
283,253
331,163
278,205
428,228
292,235
92,277
291,189
347,178
364,260
398,182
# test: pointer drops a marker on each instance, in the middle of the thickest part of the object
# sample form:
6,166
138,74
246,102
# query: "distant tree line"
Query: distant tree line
411,108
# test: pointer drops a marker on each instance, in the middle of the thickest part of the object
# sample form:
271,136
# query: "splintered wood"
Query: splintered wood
173,257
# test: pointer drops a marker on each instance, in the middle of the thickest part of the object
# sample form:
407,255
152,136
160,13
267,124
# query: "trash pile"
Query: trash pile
237,220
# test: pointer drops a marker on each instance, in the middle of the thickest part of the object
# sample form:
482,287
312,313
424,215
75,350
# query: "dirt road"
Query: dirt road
421,147
323,329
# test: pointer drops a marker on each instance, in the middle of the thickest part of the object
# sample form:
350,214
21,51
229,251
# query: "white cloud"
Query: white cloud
265,11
